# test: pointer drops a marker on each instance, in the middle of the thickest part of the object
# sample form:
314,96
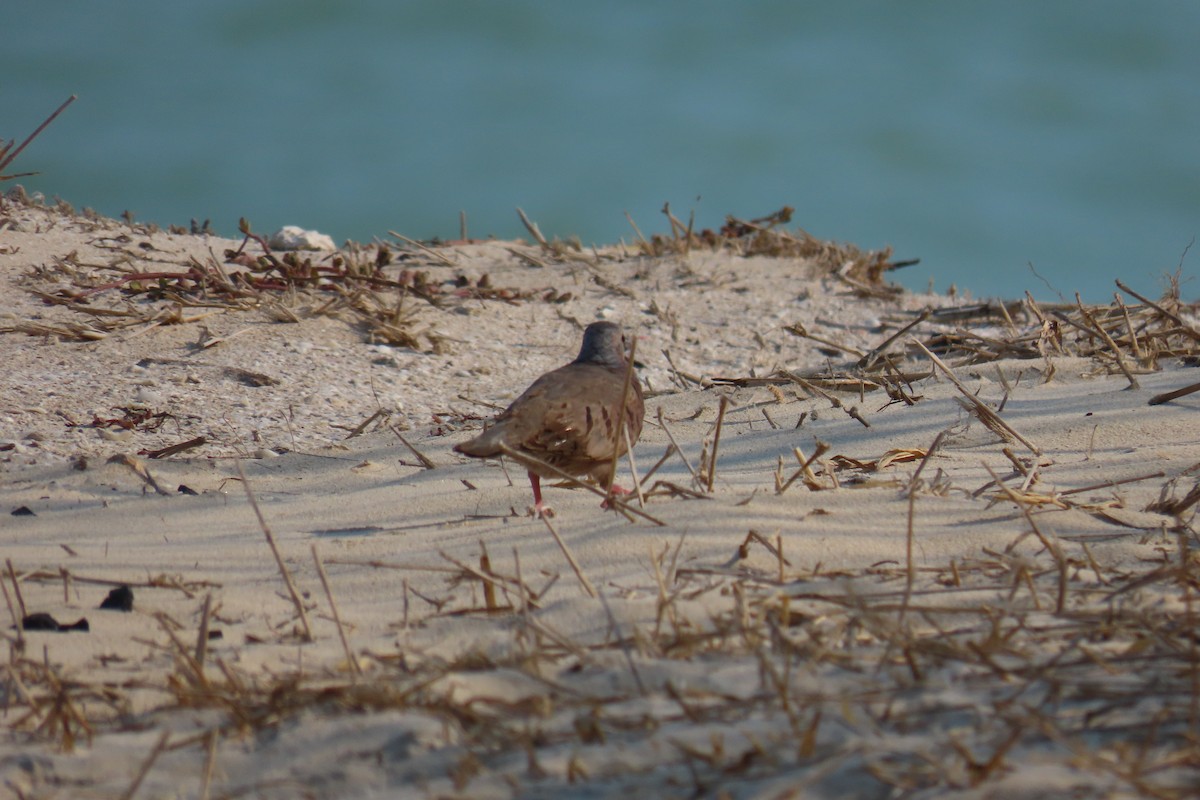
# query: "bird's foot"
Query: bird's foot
540,510
614,491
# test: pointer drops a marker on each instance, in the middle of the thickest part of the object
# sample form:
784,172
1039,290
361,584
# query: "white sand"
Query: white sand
819,684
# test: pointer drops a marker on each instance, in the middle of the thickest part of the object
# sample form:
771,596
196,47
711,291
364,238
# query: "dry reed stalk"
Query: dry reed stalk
775,549
492,580
665,605
910,566
562,545
1053,547
1134,346
202,633
438,256
528,258
868,361
489,589
425,462
12,576
16,618
1185,329
7,155
13,668
810,478
671,438
404,605
658,464
210,761
180,447
194,669
283,570
798,330
623,643
139,468
808,386
682,378
985,414
933,448
536,232
1034,308
633,470
543,629
157,582
780,561
1109,484
1116,351
355,668
147,763
1176,508
641,240
1187,579
524,593
377,564
712,459
621,426
1175,394
526,460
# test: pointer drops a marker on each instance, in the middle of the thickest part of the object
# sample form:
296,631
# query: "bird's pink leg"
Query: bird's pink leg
615,491
540,509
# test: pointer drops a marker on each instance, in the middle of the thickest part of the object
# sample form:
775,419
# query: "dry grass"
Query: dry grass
1119,338
983,667
10,150
901,679
379,291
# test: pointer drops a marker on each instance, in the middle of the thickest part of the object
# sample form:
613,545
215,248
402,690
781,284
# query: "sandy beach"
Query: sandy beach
888,544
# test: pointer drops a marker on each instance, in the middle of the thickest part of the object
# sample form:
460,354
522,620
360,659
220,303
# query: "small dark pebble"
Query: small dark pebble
215,635
185,489
23,511
119,599
42,621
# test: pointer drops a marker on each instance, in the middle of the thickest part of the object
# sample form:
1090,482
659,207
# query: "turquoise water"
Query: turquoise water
979,138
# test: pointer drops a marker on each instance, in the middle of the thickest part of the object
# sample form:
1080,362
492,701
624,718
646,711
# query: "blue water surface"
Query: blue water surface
989,140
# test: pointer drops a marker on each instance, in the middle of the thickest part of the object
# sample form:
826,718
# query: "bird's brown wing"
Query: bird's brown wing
567,418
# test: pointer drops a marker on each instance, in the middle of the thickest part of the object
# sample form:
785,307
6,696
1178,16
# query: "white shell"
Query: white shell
293,237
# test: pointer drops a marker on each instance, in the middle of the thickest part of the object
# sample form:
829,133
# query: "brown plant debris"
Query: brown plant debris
1058,666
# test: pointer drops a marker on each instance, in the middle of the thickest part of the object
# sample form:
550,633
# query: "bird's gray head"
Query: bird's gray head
604,344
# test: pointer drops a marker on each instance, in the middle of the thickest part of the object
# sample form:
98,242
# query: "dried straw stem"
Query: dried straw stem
12,576
663,424
621,426
712,459
425,461
7,157
566,551
1175,394
202,633
144,770
526,460
337,617
986,415
1052,546
283,570
1185,328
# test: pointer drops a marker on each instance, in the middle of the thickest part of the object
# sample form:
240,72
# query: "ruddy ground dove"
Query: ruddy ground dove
568,417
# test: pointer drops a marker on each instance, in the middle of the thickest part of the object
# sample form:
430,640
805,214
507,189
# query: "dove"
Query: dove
567,418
